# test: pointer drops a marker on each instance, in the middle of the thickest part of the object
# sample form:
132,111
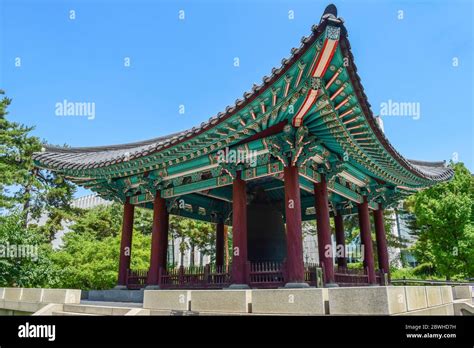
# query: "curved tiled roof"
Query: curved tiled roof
97,157
412,165
436,170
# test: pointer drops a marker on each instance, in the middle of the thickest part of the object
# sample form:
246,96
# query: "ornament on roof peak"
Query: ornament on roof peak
330,12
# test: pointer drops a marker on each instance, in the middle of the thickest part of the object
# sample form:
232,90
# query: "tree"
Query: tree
106,221
15,145
90,263
25,256
88,258
444,216
193,234
201,236
352,231
22,184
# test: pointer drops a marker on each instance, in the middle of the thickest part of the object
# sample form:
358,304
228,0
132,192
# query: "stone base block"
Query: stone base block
381,300
232,301
288,301
462,292
31,295
12,294
167,299
61,296
416,297
433,296
446,294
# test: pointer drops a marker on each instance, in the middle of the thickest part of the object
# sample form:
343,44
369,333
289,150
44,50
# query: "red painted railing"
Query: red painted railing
196,277
265,274
137,279
351,277
356,277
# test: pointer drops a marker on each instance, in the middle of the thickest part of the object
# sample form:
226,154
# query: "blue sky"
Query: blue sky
190,62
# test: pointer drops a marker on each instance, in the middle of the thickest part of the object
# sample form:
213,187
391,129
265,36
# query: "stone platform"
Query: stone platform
374,300
378,300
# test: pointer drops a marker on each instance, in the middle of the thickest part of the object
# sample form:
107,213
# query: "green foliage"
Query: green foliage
27,270
101,222
424,270
16,147
400,273
89,256
444,225
89,262
22,184
193,234
421,273
355,265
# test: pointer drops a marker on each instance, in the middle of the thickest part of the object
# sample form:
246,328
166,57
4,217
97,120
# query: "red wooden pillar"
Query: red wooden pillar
164,236
340,239
366,239
294,241
239,232
226,246
220,243
381,238
126,242
159,240
324,230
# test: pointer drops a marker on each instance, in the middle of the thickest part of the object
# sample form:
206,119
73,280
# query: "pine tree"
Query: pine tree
24,186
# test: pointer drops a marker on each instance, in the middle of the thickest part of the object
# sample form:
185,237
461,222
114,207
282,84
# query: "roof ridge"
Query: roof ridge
124,146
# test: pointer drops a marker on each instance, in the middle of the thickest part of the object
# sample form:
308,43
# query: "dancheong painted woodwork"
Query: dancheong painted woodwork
307,127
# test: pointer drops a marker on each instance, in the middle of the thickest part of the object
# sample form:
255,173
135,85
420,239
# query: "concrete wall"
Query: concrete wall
374,300
393,300
223,301
377,300
29,300
167,300
289,301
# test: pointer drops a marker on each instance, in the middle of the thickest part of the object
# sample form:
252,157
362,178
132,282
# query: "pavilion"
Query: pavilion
315,150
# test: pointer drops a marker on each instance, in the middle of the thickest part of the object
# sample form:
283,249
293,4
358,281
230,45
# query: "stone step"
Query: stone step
96,310
61,313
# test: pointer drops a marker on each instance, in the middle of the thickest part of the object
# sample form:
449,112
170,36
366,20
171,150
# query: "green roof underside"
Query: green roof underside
351,151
